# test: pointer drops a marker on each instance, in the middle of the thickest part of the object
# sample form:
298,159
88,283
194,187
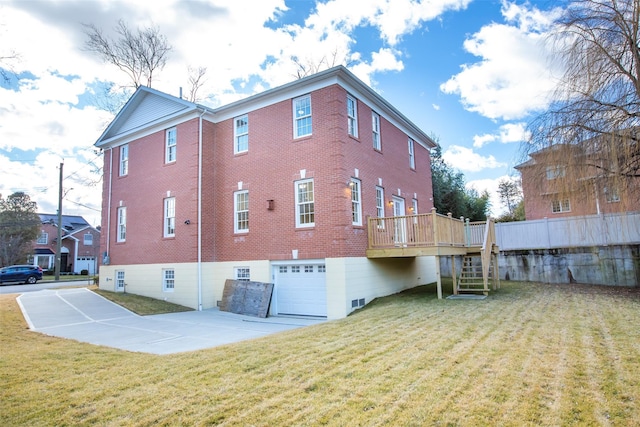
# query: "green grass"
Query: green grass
528,355
141,305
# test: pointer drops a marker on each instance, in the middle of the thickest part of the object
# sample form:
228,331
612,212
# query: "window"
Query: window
120,281
356,202
558,206
124,160
168,280
242,273
172,140
121,236
88,239
305,209
169,217
241,211
295,269
554,172
380,202
282,269
412,158
302,116
375,125
611,194
322,268
241,134
352,116
43,238
414,206
308,268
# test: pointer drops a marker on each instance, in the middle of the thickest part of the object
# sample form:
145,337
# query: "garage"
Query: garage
301,289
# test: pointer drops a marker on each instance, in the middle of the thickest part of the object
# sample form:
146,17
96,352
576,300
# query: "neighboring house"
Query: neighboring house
80,247
274,188
562,181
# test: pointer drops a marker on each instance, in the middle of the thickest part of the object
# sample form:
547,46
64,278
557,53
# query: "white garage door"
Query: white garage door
301,289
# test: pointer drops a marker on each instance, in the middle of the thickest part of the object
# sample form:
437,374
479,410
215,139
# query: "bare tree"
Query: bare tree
196,81
597,101
308,66
138,53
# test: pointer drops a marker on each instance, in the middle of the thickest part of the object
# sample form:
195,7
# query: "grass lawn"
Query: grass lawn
530,354
140,305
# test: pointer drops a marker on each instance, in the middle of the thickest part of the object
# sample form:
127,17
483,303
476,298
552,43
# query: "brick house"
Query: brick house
562,181
80,244
274,188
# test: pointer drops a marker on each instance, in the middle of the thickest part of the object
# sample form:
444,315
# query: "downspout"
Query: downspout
199,267
108,248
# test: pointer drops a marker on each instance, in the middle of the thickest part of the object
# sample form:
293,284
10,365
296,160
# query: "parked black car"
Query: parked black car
21,273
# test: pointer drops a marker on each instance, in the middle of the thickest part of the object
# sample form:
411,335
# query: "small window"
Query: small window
412,158
43,238
120,281
558,206
241,211
168,280
302,116
241,134
305,208
380,202
375,125
295,269
282,269
124,160
322,269
171,144
352,116
414,206
611,194
554,172
88,239
170,217
242,273
122,224
308,268
356,202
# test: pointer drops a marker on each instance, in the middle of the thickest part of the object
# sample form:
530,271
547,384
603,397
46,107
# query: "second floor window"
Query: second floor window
412,157
305,208
124,160
302,116
169,217
554,172
43,238
352,116
375,127
241,211
611,194
88,239
121,234
356,202
171,145
558,206
241,134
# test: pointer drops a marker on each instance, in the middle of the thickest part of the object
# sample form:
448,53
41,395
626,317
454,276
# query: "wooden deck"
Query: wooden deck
436,235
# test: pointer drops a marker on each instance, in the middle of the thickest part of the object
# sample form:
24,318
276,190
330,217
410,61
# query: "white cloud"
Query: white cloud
435,107
480,141
466,160
509,132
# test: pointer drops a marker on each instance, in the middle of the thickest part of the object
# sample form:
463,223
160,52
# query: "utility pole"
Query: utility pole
59,241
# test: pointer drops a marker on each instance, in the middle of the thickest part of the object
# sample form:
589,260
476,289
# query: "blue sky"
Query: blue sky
470,72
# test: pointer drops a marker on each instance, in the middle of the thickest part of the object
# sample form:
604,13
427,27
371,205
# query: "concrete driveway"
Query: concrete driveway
82,315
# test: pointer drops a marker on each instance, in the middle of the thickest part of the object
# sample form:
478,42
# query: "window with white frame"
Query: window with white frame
43,238
554,172
241,211
241,134
169,217
120,280
242,273
121,235
88,239
558,206
168,280
305,208
412,158
171,144
356,202
380,205
302,116
352,116
414,206
611,194
375,127
124,159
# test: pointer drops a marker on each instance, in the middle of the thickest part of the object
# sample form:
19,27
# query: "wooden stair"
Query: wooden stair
474,276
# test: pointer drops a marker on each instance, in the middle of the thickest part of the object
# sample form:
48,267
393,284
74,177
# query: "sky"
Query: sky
471,73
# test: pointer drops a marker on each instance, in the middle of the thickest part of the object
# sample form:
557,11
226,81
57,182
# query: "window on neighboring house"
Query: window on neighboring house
611,194
124,159
302,116
554,172
356,202
242,273
412,158
168,280
88,239
241,134
375,125
43,238
171,144
558,206
241,211
305,209
380,205
122,224
170,217
352,116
